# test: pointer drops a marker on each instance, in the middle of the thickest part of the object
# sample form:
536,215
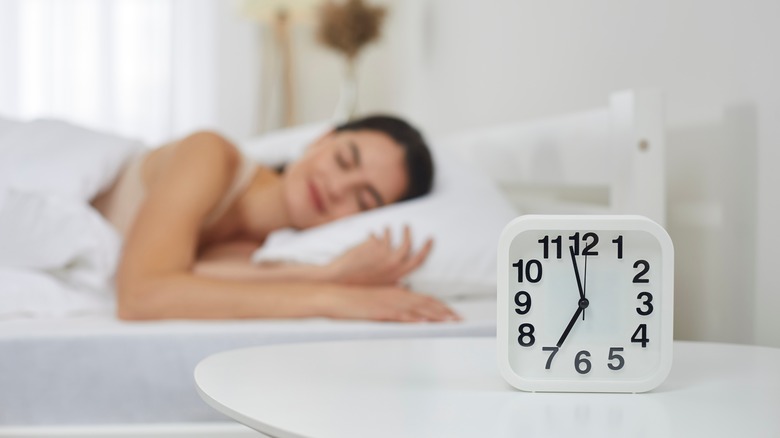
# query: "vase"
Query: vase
348,95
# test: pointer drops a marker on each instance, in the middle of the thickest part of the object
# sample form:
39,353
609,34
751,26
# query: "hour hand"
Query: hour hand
577,272
571,323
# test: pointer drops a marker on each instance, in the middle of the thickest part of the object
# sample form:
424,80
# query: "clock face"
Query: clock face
585,303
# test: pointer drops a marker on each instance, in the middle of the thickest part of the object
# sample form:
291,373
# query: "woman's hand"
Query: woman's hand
384,303
377,262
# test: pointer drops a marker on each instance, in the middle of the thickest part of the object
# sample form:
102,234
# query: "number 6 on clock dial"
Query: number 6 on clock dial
585,303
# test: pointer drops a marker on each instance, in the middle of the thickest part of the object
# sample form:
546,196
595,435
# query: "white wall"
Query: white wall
237,69
455,64
479,63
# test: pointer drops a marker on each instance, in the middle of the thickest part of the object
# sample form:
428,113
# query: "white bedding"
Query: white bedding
57,254
64,358
98,370
94,370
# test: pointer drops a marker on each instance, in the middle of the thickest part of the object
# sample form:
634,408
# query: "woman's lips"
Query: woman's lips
316,198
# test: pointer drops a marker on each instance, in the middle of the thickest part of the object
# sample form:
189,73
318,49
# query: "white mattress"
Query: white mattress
99,370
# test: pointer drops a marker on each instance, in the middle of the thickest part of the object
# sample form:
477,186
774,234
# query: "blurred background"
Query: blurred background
158,69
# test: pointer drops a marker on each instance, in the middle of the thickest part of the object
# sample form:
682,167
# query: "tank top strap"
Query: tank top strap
244,174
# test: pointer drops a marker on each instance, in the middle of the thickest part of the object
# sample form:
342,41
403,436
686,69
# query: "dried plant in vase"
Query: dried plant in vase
347,27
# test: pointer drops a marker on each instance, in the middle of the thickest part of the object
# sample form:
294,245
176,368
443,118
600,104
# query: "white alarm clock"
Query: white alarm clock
585,303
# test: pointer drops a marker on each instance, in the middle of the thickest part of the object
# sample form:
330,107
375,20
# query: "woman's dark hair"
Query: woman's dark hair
417,156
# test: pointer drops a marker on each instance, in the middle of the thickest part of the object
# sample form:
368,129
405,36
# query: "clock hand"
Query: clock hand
577,272
585,283
582,305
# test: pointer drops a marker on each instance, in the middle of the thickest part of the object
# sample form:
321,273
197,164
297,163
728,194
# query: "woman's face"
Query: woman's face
344,173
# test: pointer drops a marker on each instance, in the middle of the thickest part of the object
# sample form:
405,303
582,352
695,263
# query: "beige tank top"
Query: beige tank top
129,192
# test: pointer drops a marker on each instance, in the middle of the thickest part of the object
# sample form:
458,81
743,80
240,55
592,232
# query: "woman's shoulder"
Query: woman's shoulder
209,144
199,147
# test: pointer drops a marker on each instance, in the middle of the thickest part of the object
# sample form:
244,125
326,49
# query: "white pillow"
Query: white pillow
464,214
284,145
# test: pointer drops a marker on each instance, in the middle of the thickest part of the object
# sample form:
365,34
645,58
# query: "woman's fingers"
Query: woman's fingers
390,304
413,261
418,259
378,261
426,308
403,260
401,254
435,311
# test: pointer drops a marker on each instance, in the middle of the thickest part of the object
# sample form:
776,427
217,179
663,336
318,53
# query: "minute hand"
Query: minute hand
577,272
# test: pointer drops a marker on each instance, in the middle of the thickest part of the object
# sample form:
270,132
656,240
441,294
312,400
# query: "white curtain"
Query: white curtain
142,68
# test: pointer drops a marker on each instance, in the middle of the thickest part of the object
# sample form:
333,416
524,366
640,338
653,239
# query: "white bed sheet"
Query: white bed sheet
98,370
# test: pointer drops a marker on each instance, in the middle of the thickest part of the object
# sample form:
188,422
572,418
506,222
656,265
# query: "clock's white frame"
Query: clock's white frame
584,223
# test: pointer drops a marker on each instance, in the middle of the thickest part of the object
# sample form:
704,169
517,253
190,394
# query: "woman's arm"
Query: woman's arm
232,261
190,297
373,262
155,278
245,270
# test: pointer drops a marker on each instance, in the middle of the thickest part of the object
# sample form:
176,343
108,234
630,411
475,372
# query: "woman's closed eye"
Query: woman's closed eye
368,198
342,162
348,157
364,200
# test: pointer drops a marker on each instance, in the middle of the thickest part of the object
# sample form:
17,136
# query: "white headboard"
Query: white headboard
605,160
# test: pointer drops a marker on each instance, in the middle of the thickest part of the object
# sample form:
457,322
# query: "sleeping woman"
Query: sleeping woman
192,212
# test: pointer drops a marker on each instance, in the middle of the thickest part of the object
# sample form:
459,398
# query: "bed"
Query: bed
92,375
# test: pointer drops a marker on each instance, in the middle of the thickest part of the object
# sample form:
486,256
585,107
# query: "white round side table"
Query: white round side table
451,387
